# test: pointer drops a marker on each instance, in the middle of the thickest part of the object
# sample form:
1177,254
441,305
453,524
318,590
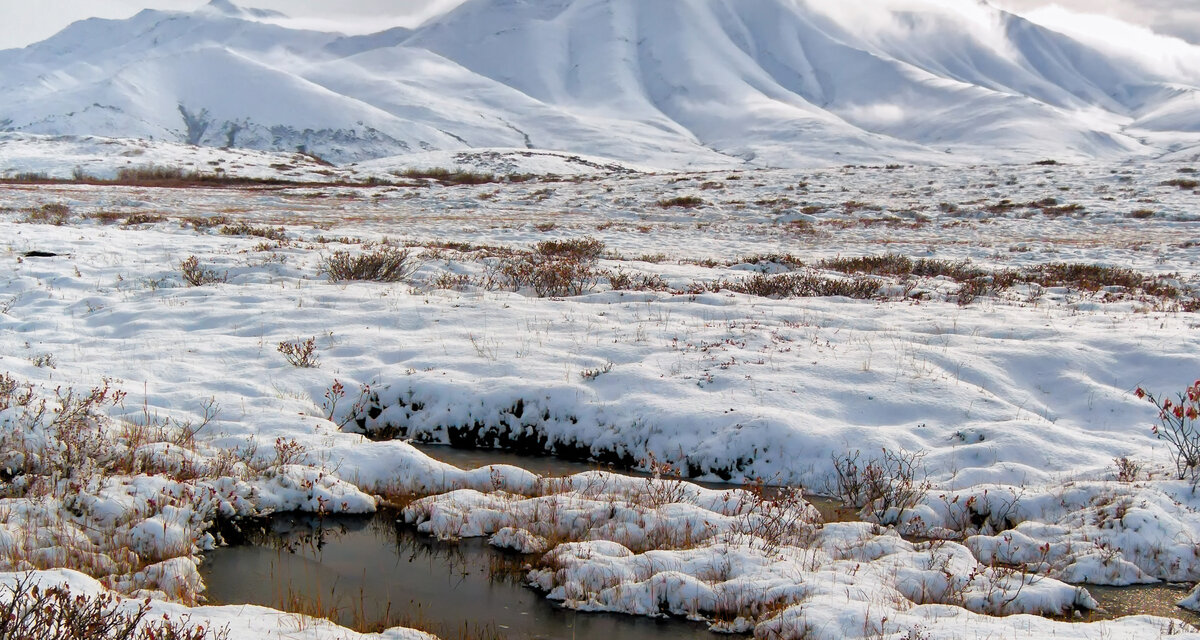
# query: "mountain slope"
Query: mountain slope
668,83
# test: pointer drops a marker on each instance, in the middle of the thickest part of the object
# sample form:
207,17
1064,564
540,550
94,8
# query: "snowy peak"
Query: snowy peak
227,8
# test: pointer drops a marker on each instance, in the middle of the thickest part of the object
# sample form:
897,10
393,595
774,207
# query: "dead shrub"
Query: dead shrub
549,276
386,264
54,213
244,229
196,275
149,173
1087,277
683,202
785,259
1128,469
800,285
451,281
205,222
107,217
32,612
142,218
783,518
585,248
887,485
300,353
621,280
890,264
898,265
449,177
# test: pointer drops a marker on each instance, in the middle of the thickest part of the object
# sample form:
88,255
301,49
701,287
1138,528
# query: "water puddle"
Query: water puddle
362,571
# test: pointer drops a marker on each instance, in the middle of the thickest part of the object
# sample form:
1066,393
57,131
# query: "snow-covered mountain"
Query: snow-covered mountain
668,83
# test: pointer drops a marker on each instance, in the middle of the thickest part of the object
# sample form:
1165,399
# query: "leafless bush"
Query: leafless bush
300,353
288,452
684,202
888,485
1088,277
1179,427
386,264
801,285
621,280
1128,469
453,177
451,281
244,229
784,518
31,612
662,487
75,444
202,222
134,219
548,276
585,248
196,275
54,213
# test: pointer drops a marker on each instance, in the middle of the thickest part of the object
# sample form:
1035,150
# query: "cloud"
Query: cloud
1168,17
918,20
1140,45
26,22
363,16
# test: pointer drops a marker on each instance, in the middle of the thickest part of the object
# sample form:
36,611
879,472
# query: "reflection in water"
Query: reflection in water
360,571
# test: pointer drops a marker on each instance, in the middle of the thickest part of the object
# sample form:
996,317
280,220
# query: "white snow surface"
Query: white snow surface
1019,401
682,84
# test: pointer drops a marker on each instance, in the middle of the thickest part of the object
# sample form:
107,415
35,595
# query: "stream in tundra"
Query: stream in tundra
367,570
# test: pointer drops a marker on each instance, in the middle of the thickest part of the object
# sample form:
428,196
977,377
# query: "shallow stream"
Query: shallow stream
373,570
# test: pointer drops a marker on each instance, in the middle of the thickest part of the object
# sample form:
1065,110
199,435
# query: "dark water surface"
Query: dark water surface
371,569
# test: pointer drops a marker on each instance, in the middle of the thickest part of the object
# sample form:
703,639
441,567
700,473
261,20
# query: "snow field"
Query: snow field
1019,401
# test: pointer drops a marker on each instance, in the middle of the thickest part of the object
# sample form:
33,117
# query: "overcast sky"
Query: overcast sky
26,21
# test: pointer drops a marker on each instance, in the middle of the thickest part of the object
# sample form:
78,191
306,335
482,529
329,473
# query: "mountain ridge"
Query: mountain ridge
676,83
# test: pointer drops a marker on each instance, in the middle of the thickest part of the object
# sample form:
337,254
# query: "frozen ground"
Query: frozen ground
1018,398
